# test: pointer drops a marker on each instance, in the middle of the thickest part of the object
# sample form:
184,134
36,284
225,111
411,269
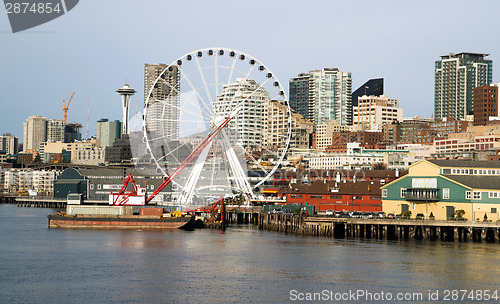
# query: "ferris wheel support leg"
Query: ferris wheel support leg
239,175
186,196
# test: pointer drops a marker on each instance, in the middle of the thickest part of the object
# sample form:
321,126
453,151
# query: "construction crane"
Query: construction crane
138,193
65,108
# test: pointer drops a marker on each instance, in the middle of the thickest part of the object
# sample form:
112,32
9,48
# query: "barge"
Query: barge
118,217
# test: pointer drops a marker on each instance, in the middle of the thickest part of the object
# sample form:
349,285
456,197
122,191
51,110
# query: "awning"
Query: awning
273,191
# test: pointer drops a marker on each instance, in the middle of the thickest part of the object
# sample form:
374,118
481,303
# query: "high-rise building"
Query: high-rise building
330,96
108,132
55,130
299,94
250,120
374,111
276,127
9,143
373,87
455,77
485,103
72,132
162,112
34,133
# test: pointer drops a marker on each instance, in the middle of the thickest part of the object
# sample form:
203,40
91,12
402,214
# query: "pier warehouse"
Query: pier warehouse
446,188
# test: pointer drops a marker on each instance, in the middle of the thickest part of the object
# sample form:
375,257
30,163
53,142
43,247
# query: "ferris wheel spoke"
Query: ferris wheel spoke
202,75
216,70
202,109
232,71
178,108
256,162
205,105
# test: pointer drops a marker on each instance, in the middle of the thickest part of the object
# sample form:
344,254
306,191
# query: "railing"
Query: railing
422,194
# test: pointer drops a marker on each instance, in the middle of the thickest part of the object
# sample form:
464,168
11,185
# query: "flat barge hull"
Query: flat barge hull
130,222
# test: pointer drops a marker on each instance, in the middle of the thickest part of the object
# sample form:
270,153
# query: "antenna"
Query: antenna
88,111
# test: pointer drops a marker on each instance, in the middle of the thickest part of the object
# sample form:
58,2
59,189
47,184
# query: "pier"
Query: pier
390,229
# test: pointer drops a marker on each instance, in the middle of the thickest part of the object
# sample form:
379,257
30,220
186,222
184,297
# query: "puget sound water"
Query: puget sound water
240,265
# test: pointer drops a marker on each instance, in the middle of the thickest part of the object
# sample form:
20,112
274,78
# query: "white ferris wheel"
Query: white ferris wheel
195,95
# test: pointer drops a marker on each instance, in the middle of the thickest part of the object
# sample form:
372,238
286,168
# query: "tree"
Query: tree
379,166
37,159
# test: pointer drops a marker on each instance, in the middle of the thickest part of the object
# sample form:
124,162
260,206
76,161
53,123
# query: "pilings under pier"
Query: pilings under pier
446,231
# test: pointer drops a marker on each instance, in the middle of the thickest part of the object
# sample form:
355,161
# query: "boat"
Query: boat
111,217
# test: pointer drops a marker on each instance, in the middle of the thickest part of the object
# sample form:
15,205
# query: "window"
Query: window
446,193
91,186
467,195
296,196
493,210
316,196
335,196
494,194
403,192
476,195
384,192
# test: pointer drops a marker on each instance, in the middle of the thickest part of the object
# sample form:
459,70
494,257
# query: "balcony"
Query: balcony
422,194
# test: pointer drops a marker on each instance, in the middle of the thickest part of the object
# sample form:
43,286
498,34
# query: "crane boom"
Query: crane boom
191,156
66,107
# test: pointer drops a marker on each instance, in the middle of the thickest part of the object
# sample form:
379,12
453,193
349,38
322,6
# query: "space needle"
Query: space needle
125,92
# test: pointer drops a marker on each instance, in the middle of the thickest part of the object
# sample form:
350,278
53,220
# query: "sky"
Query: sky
99,45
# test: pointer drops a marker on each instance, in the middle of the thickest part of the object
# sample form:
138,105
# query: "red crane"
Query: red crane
122,197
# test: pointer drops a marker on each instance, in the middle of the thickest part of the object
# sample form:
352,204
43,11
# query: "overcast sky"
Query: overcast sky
99,45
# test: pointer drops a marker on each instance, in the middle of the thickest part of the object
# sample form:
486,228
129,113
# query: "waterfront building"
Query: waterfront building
249,123
372,112
95,184
34,133
361,196
446,188
276,127
164,99
373,87
455,77
108,131
485,103
9,144
299,94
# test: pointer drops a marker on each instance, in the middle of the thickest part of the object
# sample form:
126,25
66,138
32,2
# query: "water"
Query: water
242,265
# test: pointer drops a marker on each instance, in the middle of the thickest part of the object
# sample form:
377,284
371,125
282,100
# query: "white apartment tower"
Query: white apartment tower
330,96
162,111
249,121
34,133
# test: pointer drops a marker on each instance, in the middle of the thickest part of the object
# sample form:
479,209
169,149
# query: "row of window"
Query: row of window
476,195
113,187
472,171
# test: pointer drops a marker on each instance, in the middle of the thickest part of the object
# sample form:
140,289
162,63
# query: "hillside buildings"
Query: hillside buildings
372,112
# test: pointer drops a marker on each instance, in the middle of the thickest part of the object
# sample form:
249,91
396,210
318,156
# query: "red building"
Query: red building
485,104
344,196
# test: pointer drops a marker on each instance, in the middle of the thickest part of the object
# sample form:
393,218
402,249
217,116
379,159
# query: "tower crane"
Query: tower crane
65,108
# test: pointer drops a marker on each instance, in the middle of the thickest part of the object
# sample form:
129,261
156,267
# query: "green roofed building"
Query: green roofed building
446,188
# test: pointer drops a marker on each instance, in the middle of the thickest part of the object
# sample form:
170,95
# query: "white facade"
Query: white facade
374,111
41,181
55,130
344,161
330,96
34,132
249,122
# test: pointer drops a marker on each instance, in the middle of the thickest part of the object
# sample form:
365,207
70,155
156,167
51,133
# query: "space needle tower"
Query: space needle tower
125,92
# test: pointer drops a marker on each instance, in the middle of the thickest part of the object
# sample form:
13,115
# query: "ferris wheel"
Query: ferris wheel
190,98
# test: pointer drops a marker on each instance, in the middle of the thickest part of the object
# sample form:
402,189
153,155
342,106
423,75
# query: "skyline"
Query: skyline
395,41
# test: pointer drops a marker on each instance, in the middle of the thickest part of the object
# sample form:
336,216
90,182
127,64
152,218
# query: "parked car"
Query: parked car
391,215
338,214
381,214
329,212
398,216
420,216
356,214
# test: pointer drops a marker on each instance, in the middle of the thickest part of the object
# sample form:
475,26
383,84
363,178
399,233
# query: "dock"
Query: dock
390,229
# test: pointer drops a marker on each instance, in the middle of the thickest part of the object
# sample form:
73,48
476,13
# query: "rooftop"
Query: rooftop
465,163
476,181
